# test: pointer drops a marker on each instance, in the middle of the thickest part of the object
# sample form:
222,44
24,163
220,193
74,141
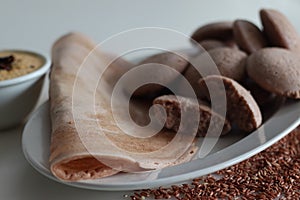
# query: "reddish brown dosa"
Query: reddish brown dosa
71,158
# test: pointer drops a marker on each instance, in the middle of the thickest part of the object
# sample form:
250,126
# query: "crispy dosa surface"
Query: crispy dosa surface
86,142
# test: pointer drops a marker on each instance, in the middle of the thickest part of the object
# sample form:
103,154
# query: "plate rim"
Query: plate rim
164,180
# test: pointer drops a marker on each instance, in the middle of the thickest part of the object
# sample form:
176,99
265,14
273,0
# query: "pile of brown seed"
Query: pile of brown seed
271,174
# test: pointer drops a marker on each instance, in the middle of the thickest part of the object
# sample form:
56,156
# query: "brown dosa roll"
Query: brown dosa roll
78,149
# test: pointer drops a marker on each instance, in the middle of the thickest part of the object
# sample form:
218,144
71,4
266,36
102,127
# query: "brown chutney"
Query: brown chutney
22,63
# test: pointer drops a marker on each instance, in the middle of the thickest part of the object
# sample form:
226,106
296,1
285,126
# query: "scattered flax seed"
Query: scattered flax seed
272,174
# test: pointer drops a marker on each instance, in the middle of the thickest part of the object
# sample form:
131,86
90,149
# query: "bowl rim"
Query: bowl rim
34,74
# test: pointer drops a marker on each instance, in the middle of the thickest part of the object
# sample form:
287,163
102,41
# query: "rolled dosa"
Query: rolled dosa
88,144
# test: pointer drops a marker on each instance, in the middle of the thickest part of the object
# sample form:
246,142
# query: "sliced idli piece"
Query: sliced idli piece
172,105
242,109
164,76
276,70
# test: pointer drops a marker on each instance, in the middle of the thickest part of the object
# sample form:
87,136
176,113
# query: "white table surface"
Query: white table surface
35,24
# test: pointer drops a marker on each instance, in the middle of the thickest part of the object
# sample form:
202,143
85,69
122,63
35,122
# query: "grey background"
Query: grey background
36,24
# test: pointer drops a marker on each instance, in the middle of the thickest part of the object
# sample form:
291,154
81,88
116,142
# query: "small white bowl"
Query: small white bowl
19,95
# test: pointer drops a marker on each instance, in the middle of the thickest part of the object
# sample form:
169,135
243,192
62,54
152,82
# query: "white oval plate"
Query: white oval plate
229,150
